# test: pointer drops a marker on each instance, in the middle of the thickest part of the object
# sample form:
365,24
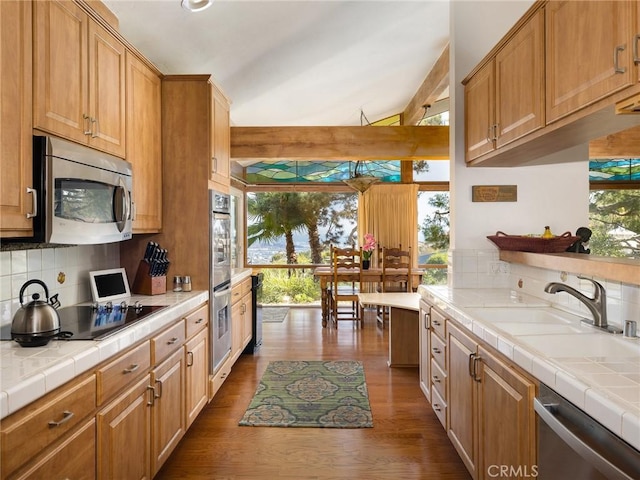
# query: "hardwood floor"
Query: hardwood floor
406,442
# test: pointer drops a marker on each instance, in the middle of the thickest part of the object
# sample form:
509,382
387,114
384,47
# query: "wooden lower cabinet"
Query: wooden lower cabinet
197,375
247,319
424,346
74,458
490,417
168,423
123,435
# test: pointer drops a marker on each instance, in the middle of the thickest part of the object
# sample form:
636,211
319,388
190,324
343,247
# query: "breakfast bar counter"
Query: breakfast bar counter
404,328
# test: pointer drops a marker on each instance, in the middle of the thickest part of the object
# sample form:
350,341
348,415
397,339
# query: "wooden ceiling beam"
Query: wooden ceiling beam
434,84
340,143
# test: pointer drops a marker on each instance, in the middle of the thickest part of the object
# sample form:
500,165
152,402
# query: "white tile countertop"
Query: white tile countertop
597,371
28,373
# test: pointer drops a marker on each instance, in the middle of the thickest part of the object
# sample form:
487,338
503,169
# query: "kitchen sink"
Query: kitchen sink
579,345
524,315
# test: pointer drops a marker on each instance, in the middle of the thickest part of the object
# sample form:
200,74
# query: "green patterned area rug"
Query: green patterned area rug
311,394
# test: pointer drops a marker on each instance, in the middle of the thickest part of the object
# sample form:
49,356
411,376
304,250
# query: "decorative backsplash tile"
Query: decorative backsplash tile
64,269
483,269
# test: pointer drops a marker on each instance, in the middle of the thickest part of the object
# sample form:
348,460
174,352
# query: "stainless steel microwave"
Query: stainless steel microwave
81,196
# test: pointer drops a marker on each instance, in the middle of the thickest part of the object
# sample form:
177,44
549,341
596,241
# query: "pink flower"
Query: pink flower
369,245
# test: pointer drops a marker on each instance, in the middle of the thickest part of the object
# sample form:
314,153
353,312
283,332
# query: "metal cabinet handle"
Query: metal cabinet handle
437,323
435,379
97,130
34,202
489,139
636,54
87,123
152,395
200,320
436,350
214,165
66,416
437,407
426,321
189,359
616,66
131,369
156,394
476,359
495,131
172,341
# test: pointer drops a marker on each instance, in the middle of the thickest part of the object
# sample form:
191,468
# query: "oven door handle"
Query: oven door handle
222,293
604,466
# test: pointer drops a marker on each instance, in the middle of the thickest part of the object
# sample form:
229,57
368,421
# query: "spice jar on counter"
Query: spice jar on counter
186,283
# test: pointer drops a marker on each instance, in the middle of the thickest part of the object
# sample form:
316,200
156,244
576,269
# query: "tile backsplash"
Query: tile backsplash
64,269
483,269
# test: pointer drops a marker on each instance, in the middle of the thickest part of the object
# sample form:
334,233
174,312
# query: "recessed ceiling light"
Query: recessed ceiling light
196,5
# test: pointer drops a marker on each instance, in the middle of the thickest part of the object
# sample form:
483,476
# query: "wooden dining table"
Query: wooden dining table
371,275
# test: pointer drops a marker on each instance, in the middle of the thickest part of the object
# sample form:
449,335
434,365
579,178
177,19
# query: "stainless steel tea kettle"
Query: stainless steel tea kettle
37,322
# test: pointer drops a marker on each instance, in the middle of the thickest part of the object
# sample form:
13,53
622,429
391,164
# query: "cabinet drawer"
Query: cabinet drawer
439,407
167,342
119,373
31,430
236,293
438,350
73,458
437,322
197,320
438,379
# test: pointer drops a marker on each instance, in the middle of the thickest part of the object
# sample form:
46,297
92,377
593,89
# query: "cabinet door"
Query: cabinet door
168,424
247,320
425,359
236,330
144,144
197,376
106,91
479,102
582,40
123,434
461,397
506,419
221,140
60,79
519,85
15,119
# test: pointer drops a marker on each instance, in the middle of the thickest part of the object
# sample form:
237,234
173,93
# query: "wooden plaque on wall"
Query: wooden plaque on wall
494,193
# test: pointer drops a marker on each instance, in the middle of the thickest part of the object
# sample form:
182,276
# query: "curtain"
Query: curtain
390,213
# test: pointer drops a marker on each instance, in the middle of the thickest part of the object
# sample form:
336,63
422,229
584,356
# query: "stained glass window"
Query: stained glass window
626,170
279,171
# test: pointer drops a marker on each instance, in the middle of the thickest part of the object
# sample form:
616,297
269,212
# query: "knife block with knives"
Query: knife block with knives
151,277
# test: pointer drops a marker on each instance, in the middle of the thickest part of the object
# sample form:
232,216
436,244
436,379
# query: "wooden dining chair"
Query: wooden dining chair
396,275
346,264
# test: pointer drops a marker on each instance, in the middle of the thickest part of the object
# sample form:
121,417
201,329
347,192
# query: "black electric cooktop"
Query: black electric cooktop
85,322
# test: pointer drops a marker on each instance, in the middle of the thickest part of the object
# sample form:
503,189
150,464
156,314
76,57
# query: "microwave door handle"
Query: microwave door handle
120,206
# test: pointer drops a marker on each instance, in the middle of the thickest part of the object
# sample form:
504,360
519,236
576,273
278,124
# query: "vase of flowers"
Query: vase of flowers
367,249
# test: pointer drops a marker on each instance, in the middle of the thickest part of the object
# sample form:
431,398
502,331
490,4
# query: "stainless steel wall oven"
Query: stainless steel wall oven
220,274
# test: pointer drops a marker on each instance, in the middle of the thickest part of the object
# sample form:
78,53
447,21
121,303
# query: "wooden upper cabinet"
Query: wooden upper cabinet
79,77
504,100
15,119
220,140
479,104
519,84
144,144
589,53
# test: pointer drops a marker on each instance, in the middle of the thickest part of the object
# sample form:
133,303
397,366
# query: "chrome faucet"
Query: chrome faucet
596,305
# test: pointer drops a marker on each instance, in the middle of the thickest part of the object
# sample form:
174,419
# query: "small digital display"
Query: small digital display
110,284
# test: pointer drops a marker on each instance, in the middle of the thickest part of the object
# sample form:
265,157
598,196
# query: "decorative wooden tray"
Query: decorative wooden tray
523,243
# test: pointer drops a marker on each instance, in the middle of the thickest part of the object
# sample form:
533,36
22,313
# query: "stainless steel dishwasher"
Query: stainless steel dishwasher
571,444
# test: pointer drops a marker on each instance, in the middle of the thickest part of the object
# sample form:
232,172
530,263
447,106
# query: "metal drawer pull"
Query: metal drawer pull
34,198
67,415
426,321
189,359
436,379
471,363
636,54
436,350
152,397
96,133
436,407
86,131
200,320
158,395
172,341
131,369
437,323
616,66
